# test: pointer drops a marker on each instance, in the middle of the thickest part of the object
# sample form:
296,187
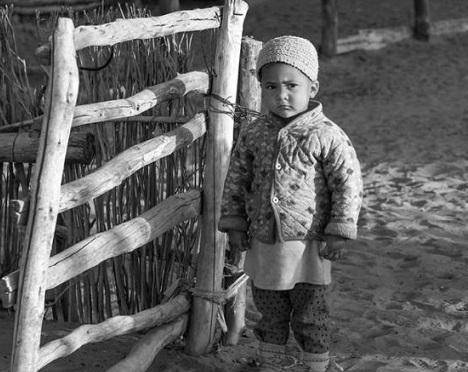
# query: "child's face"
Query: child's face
286,90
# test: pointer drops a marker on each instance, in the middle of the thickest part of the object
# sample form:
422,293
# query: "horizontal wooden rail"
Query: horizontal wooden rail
145,350
123,238
142,101
22,147
115,326
142,28
113,172
147,28
372,39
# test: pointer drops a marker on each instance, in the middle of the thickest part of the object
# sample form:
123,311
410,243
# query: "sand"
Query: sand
400,298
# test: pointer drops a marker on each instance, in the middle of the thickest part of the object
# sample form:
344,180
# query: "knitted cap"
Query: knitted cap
294,51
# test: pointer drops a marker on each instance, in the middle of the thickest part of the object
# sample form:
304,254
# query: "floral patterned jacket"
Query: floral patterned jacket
292,182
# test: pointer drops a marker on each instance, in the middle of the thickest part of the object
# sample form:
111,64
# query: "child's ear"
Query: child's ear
314,88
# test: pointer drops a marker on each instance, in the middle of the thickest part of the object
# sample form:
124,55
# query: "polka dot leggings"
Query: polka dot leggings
304,307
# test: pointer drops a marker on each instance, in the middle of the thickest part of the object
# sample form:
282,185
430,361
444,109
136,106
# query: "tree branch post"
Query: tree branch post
249,96
61,99
329,28
421,29
219,143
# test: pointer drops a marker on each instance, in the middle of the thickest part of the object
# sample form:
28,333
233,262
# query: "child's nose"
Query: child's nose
283,94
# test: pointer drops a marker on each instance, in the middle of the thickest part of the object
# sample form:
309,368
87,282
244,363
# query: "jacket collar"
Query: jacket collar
313,112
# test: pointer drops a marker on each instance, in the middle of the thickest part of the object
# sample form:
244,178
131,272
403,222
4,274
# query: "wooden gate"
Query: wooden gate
39,272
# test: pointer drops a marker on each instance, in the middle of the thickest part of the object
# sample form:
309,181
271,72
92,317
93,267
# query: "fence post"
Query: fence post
421,20
219,143
45,192
329,28
249,96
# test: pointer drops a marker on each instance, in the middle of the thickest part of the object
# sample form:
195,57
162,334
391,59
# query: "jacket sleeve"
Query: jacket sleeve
238,183
343,173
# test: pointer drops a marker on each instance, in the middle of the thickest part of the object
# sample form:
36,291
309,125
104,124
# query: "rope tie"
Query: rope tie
220,297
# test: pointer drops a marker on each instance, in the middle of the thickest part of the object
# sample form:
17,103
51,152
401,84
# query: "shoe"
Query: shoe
284,364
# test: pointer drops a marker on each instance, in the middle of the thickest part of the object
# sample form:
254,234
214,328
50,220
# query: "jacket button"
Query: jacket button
275,200
278,166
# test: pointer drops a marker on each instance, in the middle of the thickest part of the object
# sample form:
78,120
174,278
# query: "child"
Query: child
292,198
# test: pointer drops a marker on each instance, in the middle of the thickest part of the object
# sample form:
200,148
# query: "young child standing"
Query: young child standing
292,198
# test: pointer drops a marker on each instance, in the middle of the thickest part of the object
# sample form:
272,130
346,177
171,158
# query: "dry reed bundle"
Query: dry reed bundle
17,102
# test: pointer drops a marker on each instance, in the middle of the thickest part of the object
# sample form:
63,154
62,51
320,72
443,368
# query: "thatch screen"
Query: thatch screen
135,281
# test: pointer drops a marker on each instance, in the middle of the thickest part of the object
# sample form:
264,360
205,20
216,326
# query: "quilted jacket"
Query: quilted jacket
294,181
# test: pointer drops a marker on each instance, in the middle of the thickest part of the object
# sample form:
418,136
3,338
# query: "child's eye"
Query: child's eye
269,86
292,85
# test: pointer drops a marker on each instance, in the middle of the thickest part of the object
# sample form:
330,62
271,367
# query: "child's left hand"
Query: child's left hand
334,247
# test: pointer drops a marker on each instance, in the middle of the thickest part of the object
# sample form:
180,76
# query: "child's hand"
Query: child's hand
334,247
238,240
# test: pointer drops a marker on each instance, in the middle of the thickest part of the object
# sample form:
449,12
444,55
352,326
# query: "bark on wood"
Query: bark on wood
116,326
421,20
329,28
61,98
145,350
219,143
142,101
128,162
123,238
22,147
249,96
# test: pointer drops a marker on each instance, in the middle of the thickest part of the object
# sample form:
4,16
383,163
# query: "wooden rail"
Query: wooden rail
128,162
22,147
123,238
142,28
115,326
143,352
194,81
147,28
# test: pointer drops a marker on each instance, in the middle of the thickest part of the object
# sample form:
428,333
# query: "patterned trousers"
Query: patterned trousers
305,308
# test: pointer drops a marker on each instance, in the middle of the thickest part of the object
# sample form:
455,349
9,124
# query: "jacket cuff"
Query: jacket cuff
346,230
237,223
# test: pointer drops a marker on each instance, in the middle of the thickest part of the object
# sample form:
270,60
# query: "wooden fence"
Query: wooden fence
39,272
371,39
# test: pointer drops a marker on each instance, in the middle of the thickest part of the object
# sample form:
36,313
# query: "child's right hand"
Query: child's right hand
238,240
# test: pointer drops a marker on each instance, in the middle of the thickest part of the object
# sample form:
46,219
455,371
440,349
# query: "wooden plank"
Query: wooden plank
22,147
115,326
123,238
61,99
194,81
112,173
249,96
219,143
329,28
145,350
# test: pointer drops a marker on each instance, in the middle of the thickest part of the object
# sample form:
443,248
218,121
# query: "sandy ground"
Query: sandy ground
400,298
